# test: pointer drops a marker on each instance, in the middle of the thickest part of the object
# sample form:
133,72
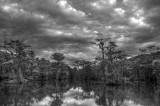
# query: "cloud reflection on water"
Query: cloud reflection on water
74,97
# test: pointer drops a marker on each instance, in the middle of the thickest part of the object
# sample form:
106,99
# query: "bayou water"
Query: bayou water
73,94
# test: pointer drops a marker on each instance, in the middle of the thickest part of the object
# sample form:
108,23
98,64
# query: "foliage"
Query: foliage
18,51
58,57
111,67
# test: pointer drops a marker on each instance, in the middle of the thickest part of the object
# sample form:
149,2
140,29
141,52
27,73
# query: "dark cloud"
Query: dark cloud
120,22
149,4
66,45
153,17
151,14
53,9
105,14
20,23
151,11
58,42
143,35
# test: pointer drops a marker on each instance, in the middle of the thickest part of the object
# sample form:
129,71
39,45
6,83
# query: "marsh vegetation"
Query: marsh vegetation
19,64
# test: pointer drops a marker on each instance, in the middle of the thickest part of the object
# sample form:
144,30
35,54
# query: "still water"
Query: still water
65,94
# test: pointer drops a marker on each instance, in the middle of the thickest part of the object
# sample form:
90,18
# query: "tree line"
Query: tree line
18,63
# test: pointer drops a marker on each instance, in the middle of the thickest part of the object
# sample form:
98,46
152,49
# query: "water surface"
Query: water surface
65,94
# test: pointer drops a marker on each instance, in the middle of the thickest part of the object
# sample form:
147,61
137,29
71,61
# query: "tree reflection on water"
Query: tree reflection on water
65,94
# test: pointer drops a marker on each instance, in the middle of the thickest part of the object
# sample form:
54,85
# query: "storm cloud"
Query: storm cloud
68,26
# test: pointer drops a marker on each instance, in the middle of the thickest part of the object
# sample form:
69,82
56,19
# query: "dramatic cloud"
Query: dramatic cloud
68,26
59,10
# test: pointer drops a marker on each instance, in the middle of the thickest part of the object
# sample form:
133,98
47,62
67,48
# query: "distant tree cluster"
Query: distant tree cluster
18,64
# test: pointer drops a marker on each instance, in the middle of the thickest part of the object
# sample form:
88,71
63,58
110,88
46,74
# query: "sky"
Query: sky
68,26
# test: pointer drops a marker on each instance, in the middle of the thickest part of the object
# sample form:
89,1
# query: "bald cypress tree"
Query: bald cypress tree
18,51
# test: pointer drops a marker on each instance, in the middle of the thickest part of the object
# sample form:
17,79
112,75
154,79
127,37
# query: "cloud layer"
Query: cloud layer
69,26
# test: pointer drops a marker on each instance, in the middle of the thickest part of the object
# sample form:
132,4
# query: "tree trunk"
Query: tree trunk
103,66
20,77
13,74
